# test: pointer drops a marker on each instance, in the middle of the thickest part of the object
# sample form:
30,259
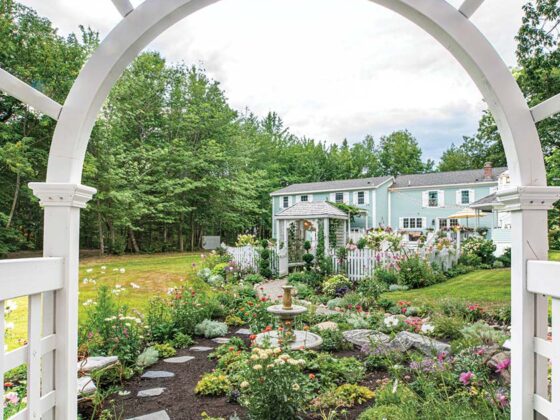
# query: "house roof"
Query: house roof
308,209
471,176
485,203
346,184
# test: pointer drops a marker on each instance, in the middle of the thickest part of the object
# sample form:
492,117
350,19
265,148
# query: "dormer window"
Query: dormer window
339,197
286,202
304,198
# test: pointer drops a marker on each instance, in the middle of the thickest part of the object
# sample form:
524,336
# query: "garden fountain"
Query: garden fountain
286,334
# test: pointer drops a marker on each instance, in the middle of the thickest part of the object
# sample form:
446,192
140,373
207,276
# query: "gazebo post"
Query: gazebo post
327,236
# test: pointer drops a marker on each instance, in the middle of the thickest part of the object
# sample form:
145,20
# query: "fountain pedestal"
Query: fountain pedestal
286,335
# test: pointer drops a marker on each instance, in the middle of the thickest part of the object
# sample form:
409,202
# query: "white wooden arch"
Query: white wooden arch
51,353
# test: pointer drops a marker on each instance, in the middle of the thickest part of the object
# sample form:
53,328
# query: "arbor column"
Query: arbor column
62,204
529,312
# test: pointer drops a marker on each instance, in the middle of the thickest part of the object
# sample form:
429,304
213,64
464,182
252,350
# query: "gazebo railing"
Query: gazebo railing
34,278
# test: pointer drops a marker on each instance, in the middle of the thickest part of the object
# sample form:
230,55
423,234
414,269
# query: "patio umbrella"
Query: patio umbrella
466,213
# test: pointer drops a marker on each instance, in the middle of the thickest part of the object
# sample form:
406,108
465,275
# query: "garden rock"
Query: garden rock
86,386
157,374
221,340
323,310
160,415
363,337
507,344
244,331
406,340
179,359
152,392
496,360
93,363
200,348
327,325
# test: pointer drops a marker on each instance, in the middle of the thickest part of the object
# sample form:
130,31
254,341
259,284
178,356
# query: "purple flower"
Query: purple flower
465,377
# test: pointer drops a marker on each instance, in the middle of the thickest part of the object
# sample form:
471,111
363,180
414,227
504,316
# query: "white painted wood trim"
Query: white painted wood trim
542,278
2,355
34,357
123,6
29,276
546,108
544,407
542,347
469,7
19,356
26,94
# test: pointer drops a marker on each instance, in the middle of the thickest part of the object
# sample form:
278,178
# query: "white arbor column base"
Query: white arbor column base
529,312
62,204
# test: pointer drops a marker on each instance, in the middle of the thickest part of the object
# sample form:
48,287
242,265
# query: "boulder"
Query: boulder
327,325
405,341
499,363
361,338
86,386
160,415
93,363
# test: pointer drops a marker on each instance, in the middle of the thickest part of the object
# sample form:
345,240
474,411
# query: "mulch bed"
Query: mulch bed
179,399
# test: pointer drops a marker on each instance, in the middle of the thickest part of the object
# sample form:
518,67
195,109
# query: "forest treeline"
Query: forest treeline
173,161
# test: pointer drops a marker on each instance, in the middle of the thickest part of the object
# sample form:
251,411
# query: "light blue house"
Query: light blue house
412,204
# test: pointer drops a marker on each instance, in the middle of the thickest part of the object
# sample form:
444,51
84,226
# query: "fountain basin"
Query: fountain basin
286,313
303,340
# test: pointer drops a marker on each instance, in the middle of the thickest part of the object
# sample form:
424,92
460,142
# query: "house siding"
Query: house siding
409,203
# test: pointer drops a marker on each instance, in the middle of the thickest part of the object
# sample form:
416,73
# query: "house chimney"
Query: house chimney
488,170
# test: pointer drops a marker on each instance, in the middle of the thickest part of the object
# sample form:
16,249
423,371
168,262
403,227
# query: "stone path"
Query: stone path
160,415
157,374
152,392
179,359
200,348
272,289
221,340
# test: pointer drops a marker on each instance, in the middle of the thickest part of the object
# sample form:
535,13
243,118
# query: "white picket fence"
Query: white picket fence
245,257
359,263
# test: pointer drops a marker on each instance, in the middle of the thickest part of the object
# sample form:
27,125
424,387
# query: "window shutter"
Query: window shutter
366,197
401,224
471,196
458,197
425,199
290,201
310,197
298,198
441,198
355,198
332,197
424,225
346,198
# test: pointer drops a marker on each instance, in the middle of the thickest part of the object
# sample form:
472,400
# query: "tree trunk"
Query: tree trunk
101,237
14,201
180,232
192,232
133,242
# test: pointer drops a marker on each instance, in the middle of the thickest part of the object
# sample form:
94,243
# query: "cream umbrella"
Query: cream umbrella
467,213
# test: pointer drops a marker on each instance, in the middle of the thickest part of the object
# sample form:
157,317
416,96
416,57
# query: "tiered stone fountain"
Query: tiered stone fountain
286,334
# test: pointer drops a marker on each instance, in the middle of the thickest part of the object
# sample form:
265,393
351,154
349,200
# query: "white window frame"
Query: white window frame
363,193
285,202
306,198
336,197
413,223
430,200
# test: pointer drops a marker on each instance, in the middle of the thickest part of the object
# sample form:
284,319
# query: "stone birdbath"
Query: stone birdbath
286,334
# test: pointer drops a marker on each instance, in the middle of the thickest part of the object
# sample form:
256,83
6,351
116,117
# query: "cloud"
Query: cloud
333,69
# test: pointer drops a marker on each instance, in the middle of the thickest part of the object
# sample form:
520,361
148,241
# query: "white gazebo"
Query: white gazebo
51,282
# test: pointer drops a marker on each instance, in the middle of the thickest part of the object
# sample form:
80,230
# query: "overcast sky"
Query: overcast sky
332,69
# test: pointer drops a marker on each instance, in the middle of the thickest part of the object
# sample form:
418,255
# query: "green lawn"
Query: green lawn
490,288
154,274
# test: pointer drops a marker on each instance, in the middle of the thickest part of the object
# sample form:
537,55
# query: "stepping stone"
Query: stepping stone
179,359
221,340
93,363
86,386
244,331
200,348
153,392
363,337
156,374
160,415
327,325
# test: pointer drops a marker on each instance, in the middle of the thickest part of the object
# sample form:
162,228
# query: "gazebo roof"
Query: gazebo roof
486,203
310,210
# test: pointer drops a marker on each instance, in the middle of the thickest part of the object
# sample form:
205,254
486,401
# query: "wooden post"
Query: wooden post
529,314
327,239
62,204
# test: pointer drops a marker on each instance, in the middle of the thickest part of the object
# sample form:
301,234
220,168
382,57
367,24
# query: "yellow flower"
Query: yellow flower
295,387
244,384
257,367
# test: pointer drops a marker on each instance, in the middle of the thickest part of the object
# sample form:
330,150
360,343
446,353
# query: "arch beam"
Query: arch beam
28,95
546,108
469,7
123,6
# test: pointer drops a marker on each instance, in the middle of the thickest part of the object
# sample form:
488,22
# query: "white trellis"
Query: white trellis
52,378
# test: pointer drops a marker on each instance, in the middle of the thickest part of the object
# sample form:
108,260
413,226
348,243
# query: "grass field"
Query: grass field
154,274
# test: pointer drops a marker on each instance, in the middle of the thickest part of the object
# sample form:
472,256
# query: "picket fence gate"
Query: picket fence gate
246,258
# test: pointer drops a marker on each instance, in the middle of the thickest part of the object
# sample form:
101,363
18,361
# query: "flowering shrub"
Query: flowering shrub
347,395
478,248
15,398
211,329
415,273
336,285
246,240
272,384
165,350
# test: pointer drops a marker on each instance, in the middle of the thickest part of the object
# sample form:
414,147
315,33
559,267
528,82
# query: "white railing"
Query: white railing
31,277
543,279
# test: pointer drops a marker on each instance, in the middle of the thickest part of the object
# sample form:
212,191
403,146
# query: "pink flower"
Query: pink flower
441,356
502,400
465,377
480,351
503,365
11,397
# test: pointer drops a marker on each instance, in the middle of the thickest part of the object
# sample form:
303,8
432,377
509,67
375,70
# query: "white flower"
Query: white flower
10,306
295,387
104,267
124,393
427,328
9,325
122,270
257,367
85,280
244,384
89,270
391,321
134,286
89,302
